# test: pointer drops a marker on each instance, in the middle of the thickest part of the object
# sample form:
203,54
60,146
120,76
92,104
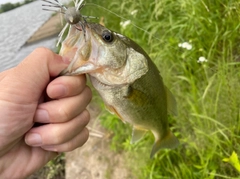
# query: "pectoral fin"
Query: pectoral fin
135,96
137,134
171,103
169,141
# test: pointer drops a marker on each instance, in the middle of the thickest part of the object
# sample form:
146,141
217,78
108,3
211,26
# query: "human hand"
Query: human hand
25,93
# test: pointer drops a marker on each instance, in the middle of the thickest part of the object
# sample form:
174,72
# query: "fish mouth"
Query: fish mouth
77,48
83,69
81,47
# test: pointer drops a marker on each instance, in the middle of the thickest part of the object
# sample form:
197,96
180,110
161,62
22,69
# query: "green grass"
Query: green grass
208,94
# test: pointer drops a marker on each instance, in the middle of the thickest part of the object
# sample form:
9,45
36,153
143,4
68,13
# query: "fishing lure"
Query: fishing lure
71,14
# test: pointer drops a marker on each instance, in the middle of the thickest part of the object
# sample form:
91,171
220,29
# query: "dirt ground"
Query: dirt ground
95,160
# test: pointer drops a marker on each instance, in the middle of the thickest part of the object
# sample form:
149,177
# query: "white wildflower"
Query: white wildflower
179,45
202,60
134,11
185,45
124,24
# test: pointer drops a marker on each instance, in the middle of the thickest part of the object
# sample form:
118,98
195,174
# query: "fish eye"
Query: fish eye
107,36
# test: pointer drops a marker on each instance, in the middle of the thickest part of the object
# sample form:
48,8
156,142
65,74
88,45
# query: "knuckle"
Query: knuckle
55,137
85,136
88,92
86,133
43,50
63,113
85,117
43,53
77,142
68,147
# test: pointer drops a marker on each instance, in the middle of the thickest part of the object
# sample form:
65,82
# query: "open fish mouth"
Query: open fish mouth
77,48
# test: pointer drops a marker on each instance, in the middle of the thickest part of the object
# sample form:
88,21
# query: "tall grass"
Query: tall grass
208,93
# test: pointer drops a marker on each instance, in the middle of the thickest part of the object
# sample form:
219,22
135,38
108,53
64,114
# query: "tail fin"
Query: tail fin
169,141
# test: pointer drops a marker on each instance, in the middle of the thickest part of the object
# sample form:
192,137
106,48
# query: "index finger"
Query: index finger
33,74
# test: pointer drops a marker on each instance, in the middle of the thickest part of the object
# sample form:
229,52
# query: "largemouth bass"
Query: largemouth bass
126,79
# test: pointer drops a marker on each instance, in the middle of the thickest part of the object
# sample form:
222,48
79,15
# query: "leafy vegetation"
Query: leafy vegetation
9,6
54,169
196,45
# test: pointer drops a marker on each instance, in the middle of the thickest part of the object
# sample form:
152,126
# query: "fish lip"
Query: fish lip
101,85
83,69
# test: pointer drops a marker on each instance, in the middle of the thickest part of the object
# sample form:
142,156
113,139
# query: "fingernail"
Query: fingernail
42,116
34,139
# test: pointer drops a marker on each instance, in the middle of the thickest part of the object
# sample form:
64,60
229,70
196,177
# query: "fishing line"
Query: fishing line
78,4
134,25
140,28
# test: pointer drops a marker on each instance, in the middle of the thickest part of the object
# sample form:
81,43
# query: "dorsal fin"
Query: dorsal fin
171,103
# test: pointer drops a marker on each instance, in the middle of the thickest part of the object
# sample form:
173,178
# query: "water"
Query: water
16,27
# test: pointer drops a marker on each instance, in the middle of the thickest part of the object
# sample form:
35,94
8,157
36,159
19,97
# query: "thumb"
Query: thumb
32,75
